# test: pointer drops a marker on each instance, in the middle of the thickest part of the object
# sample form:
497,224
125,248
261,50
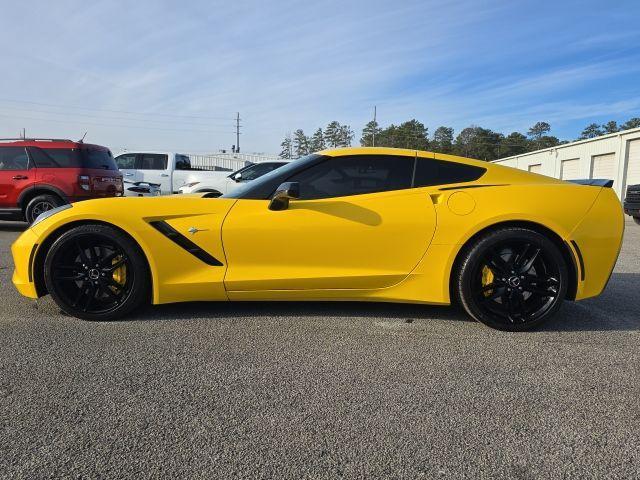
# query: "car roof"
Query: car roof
47,143
339,152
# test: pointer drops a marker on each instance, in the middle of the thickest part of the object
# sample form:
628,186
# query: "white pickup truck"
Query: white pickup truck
170,170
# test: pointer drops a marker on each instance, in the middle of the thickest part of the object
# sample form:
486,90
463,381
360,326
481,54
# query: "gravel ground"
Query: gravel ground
320,390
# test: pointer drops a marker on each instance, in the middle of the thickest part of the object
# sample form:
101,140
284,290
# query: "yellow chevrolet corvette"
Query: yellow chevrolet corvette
370,224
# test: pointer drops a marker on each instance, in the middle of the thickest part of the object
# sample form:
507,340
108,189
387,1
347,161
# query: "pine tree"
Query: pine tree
631,123
591,131
611,127
332,134
539,130
317,141
370,129
285,147
300,143
443,140
345,136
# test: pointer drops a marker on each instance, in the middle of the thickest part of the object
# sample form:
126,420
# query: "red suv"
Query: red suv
37,175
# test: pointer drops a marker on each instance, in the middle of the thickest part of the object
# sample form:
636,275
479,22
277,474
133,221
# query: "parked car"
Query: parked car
367,224
226,183
141,189
632,202
38,174
170,170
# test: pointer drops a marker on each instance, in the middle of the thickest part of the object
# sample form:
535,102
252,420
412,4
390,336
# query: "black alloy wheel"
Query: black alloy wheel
95,272
512,279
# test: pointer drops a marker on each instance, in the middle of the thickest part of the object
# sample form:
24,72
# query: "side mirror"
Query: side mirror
284,193
237,177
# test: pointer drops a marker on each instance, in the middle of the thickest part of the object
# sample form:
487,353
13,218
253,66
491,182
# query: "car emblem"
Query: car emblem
194,230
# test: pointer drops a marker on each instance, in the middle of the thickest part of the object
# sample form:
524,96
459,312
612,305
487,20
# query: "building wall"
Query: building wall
594,158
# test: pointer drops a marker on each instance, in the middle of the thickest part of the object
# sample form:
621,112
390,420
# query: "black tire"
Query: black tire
40,204
637,220
511,279
96,272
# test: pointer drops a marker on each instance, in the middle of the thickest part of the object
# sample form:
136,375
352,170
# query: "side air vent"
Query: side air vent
182,241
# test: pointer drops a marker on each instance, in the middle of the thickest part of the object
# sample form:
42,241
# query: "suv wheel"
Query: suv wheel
40,204
637,220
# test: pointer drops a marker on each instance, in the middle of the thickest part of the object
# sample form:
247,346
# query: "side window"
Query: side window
356,175
13,158
438,172
55,157
257,170
126,161
183,162
153,161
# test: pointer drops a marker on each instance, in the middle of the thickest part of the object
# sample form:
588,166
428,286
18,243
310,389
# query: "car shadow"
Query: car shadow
615,310
13,226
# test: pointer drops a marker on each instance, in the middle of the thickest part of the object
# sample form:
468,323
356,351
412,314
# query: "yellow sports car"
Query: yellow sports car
371,224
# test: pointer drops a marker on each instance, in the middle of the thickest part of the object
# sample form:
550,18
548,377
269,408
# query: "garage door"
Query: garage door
535,168
633,167
570,169
604,166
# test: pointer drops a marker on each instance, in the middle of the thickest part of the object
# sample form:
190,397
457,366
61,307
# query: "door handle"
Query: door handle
164,175
19,177
128,174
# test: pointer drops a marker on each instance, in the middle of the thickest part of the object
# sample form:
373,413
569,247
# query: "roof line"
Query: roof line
578,142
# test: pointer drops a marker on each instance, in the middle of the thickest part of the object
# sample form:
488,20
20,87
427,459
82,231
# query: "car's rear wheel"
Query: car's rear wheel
512,279
40,204
96,272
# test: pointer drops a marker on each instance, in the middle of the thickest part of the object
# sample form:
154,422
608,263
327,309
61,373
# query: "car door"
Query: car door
127,165
15,175
181,173
358,225
156,168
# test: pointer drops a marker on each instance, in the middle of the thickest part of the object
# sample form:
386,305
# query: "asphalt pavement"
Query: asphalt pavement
320,390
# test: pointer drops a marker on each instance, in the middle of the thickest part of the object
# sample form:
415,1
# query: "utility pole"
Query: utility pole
238,132
375,125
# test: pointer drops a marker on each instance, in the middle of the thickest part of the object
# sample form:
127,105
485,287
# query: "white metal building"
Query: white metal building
615,156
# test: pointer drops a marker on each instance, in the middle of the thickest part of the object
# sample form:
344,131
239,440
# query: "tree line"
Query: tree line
473,141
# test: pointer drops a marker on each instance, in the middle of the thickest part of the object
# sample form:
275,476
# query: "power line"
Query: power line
114,125
128,112
48,112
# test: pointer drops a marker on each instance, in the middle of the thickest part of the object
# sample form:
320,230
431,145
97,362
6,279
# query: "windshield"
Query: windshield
262,184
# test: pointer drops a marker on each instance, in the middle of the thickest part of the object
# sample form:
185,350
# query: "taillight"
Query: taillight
85,182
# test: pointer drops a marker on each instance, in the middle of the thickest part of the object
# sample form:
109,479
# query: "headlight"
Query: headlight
49,213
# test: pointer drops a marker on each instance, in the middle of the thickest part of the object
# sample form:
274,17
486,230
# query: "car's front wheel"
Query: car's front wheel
96,272
512,279
637,220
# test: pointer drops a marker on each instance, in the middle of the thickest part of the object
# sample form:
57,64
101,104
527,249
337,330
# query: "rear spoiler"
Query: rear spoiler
594,182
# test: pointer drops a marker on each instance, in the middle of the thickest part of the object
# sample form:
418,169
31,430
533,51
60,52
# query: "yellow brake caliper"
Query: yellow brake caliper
487,279
120,273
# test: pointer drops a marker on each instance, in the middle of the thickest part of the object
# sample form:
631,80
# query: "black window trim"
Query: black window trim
253,193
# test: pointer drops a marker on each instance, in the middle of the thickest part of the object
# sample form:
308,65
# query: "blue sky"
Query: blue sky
171,75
